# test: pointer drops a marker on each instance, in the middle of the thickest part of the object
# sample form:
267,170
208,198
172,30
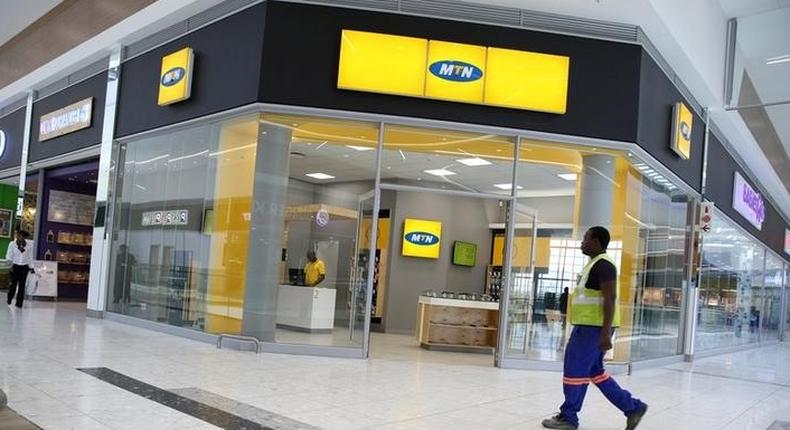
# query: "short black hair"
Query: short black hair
23,233
601,234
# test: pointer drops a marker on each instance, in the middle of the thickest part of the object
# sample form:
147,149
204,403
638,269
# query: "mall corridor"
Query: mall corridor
147,377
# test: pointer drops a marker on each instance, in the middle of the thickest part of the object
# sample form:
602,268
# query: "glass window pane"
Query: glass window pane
182,204
573,188
772,310
324,243
730,290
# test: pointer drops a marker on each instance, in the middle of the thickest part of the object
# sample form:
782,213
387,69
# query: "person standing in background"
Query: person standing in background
564,303
314,270
20,253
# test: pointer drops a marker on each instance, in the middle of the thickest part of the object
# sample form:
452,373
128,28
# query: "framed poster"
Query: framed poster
6,220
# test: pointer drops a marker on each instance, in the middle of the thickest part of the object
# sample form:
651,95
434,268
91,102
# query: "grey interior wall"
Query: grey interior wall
462,219
552,210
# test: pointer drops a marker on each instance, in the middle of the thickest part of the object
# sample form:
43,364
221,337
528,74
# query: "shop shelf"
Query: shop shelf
465,327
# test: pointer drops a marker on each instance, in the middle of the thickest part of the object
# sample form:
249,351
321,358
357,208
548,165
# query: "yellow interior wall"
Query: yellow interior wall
626,212
230,237
522,251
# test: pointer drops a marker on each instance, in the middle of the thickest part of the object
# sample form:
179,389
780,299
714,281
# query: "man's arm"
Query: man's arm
609,291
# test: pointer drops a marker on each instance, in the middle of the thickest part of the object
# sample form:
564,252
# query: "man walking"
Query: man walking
595,314
20,253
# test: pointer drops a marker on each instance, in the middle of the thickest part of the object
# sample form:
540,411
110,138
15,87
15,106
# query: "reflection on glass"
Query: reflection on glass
573,189
182,206
447,159
730,291
325,241
772,309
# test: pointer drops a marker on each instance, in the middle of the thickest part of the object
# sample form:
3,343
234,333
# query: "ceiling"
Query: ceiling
17,15
762,64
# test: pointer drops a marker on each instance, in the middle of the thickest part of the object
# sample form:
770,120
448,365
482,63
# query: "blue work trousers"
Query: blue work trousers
584,364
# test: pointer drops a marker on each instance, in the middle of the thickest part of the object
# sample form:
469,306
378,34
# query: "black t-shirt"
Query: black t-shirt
602,271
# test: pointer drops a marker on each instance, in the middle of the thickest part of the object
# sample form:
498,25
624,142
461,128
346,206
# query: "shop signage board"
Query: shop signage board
434,69
748,202
69,119
787,242
422,238
172,217
682,122
175,77
706,216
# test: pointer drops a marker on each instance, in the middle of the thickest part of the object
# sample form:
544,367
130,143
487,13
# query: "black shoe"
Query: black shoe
558,422
635,417
19,306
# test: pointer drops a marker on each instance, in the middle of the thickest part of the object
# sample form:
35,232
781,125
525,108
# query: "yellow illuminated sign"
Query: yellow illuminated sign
175,78
682,122
408,66
422,238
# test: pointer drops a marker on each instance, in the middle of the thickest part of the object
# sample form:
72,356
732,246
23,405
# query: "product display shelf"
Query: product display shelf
457,325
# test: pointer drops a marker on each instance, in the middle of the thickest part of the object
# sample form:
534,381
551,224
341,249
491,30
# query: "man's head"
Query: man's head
595,241
311,256
22,234
565,289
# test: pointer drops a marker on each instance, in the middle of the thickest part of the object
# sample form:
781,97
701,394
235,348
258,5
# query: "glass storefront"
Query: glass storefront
219,228
647,216
182,225
740,290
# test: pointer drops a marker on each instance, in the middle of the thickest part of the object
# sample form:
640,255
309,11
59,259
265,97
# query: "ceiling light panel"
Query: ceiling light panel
321,176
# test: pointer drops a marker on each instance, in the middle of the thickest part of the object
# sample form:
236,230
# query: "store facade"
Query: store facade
408,155
265,167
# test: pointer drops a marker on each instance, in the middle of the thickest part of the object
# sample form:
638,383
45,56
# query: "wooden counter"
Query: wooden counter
457,325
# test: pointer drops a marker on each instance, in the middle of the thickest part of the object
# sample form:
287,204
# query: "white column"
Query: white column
100,251
266,232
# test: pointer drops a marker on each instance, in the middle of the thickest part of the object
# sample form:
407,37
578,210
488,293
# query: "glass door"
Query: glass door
364,270
521,303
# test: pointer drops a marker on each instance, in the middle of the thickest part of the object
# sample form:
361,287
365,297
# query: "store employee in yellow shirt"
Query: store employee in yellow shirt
314,270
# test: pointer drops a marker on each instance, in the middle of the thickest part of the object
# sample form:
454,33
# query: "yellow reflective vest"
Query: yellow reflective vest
586,305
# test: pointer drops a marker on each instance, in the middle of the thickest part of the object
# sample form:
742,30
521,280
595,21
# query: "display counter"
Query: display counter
457,325
306,309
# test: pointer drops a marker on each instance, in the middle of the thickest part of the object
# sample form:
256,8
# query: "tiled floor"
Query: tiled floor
401,387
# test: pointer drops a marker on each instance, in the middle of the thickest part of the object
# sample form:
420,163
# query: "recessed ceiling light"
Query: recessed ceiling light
440,172
777,60
360,148
474,162
322,176
568,176
508,187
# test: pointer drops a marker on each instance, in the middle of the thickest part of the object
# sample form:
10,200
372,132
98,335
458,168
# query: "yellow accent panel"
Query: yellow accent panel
626,211
175,77
527,80
230,238
522,248
382,63
422,238
682,123
444,57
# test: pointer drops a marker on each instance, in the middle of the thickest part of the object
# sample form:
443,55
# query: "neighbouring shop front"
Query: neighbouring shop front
444,196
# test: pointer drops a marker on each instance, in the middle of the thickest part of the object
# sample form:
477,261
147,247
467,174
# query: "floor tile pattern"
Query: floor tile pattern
183,404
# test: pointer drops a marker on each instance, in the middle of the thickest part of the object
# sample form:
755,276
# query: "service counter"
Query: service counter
306,309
